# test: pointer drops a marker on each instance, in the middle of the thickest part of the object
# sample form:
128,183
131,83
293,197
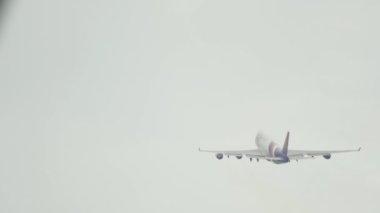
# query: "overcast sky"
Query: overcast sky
103,105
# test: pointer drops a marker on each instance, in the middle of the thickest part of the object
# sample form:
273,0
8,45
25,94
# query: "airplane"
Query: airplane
270,151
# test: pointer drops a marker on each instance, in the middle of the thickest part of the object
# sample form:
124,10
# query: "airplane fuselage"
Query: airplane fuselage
269,148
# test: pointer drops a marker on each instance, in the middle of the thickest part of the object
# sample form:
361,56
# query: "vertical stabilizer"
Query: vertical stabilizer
285,147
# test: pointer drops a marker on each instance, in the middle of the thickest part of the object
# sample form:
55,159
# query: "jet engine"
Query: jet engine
328,156
219,156
238,157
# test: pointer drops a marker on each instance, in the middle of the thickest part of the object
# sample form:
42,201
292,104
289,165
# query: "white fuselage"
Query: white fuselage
263,143
269,148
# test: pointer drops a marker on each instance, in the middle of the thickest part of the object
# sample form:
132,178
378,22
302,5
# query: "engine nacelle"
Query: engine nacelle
219,156
238,157
327,156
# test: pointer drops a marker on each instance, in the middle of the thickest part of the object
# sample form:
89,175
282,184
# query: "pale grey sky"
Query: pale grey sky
103,105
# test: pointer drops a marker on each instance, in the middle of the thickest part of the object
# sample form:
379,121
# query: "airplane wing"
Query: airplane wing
300,157
306,154
254,152
251,153
263,157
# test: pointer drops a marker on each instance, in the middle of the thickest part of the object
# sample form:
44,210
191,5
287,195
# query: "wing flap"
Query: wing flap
263,157
234,152
301,157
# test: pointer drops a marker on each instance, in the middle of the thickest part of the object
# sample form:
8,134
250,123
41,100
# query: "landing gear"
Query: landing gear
257,160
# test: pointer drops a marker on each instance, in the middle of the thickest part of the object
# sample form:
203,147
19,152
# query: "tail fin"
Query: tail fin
285,147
